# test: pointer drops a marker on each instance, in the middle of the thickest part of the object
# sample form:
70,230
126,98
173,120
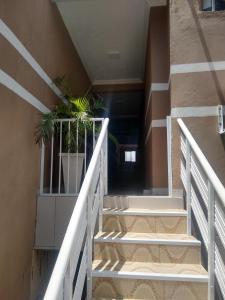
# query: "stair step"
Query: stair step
144,212
147,247
114,299
144,252
146,281
147,202
147,238
161,222
150,271
114,288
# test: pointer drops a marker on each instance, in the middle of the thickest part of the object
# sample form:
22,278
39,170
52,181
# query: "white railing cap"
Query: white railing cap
74,119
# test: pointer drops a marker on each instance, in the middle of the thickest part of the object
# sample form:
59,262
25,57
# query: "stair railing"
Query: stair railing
65,159
205,201
71,277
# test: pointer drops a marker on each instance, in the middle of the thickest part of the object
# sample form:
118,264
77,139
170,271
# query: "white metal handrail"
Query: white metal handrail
204,189
74,262
65,159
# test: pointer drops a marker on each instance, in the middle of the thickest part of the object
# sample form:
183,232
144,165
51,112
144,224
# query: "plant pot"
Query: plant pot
76,163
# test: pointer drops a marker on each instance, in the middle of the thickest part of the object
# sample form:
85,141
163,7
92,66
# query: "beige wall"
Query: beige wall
212,144
156,160
42,265
157,71
39,27
197,37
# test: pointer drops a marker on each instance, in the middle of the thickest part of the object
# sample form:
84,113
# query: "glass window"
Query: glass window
220,5
130,156
208,5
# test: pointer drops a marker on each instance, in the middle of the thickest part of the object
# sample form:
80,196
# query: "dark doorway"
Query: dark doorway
125,113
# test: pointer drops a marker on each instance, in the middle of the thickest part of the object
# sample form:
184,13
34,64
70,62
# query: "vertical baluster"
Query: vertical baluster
52,153
101,188
169,156
42,167
60,157
211,241
85,149
105,163
68,159
77,145
89,245
93,135
213,5
68,288
188,185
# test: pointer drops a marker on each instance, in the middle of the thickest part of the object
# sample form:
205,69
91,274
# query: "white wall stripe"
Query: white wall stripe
155,124
198,111
14,86
156,87
153,3
160,87
159,123
197,67
15,42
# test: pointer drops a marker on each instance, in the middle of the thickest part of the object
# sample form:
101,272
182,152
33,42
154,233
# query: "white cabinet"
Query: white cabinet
53,215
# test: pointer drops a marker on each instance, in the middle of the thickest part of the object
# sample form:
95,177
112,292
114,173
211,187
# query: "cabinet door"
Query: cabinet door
44,238
64,209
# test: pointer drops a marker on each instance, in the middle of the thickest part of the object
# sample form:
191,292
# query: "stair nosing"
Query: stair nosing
150,276
151,213
172,242
143,196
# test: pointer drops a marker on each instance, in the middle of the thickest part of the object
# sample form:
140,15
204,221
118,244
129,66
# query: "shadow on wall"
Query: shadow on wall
206,49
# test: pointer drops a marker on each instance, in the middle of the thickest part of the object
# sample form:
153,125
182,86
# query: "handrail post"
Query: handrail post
106,164
101,189
42,167
211,241
68,288
169,156
188,185
89,248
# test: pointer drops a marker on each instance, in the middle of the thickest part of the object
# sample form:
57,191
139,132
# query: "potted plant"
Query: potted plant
80,110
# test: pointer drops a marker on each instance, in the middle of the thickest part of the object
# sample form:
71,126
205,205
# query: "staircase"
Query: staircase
144,249
144,252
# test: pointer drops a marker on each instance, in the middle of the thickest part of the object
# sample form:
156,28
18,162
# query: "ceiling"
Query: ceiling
110,36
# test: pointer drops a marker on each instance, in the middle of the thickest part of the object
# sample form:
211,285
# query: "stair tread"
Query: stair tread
149,267
147,236
143,211
126,236
141,197
116,299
